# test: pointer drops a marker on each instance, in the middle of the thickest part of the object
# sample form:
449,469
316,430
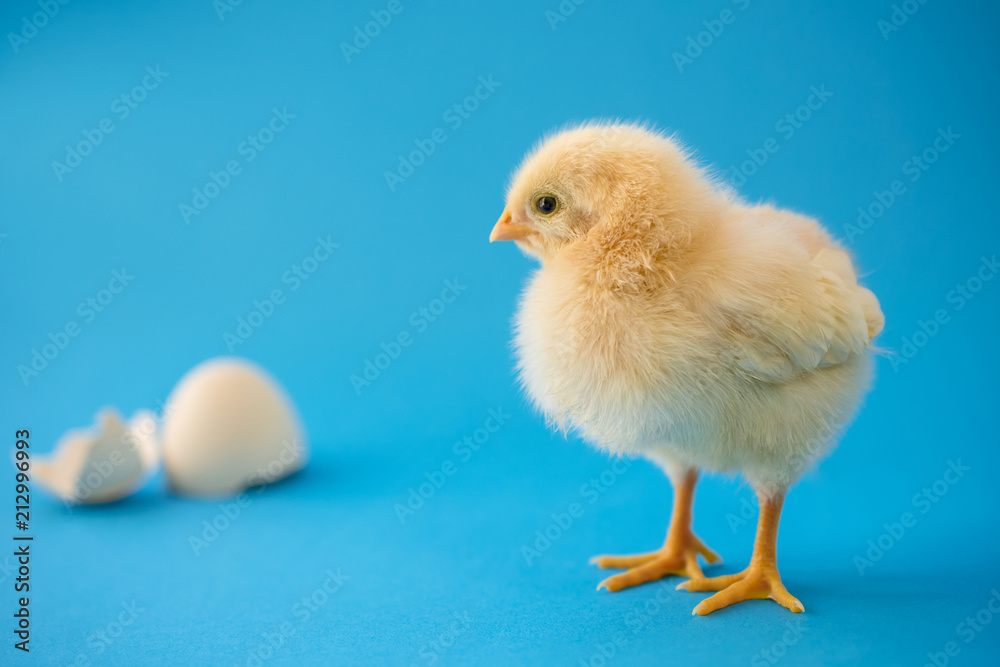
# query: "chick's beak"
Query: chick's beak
505,230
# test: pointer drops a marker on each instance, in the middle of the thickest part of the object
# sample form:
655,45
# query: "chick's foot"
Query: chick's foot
754,583
677,557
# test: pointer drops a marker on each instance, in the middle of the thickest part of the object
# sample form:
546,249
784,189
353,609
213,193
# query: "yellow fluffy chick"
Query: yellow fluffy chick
670,320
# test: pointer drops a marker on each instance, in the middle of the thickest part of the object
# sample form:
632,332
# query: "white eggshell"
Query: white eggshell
101,464
227,426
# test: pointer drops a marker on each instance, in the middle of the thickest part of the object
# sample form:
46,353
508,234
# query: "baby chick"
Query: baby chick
670,320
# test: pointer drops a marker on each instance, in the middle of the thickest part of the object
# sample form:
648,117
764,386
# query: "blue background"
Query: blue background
450,584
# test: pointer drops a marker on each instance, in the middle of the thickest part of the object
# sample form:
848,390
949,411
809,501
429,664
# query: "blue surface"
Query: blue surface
450,584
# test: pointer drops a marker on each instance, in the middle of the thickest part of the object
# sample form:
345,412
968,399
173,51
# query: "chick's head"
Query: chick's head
612,178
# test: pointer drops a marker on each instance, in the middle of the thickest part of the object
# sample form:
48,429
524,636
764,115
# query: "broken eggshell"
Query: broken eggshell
228,426
103,464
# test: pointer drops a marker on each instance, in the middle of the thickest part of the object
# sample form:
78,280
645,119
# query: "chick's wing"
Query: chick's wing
794,314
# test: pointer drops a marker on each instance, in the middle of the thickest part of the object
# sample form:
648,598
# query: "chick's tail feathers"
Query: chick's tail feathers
873,312
839,263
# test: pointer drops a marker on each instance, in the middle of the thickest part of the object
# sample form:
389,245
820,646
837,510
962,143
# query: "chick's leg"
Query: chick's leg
761,579
679,554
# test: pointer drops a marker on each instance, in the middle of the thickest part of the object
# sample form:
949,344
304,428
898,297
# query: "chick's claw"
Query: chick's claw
752,584
678,557
699,584
623,562
652,571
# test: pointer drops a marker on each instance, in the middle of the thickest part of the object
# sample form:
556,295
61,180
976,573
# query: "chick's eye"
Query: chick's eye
546,204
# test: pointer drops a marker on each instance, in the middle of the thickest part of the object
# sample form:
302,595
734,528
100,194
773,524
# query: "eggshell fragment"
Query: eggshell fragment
227,426
100,465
